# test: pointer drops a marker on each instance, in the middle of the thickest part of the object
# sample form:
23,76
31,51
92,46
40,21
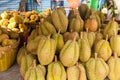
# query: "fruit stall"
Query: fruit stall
66,40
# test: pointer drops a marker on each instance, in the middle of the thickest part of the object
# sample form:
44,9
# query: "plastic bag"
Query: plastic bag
117,3
73,3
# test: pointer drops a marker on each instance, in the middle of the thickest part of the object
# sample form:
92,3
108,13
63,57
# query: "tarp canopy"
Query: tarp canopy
9,5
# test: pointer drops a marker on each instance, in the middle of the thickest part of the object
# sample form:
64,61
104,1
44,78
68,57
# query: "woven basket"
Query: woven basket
8,56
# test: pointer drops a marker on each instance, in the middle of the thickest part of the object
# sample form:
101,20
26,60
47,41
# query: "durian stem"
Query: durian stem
106,37
115,55
49,36
77,15
59,31
73,11
34,63
74,39
55,7
81,35
24,44
0,55
115,32
42,20
77,65
37,29
99,30
55,58
71,30
86,29
95,55
25,51
113,19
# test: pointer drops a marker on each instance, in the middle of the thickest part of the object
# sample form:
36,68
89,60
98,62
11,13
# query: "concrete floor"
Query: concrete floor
11,74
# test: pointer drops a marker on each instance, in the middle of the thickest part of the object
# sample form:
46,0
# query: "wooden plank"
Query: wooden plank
23,7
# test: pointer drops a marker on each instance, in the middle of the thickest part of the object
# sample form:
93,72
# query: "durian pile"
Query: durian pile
74,47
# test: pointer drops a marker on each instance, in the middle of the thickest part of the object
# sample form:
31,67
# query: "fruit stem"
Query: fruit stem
42,20
49,36
55,58
71,30
0,55
79,70
95,55
73,11
24,44
115,55
115,32
106,37
34,63
37,28
76,64
25,51
113,19
99,30
59,31
74,39
55,7
77,15
81,35
86,29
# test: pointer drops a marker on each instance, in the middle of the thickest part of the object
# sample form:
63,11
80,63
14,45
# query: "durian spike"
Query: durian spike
34,63
81,35
106,37
55,58
115,55
59,31
95,55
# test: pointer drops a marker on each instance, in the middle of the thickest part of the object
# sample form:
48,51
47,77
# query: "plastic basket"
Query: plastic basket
8,56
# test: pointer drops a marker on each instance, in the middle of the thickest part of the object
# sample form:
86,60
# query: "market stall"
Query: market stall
69,40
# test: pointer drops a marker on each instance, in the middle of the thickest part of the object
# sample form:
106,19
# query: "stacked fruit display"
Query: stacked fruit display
77,47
